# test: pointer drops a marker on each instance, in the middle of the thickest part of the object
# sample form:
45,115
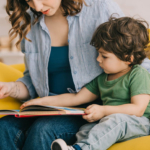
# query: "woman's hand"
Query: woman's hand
94,112
7,89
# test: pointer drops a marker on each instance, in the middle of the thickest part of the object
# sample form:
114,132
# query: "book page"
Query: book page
9,112
52,108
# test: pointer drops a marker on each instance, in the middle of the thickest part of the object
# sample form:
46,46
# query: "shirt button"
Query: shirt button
79,88
71,57
75,72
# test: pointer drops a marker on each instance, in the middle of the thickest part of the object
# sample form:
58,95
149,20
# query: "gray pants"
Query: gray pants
111,129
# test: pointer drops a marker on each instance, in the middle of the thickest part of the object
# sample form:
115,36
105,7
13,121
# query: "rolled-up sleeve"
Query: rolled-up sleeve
26,79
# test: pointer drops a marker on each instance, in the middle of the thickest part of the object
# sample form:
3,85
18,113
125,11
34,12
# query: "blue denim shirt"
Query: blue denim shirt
82,56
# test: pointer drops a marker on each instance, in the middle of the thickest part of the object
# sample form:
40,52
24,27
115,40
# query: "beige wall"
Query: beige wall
138,8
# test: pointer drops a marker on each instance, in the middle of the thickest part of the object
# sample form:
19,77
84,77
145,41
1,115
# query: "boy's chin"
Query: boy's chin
106,72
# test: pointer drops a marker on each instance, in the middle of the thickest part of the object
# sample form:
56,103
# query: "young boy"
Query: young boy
124,88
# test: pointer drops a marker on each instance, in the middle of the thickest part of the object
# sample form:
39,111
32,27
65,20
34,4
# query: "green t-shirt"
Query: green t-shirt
120,91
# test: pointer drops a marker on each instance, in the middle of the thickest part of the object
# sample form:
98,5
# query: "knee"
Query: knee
116,118
87,127
40,129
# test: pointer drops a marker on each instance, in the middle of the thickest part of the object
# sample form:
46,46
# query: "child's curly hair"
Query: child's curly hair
124,37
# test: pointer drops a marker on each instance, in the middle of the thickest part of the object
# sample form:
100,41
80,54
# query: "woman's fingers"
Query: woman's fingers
5,89
3,92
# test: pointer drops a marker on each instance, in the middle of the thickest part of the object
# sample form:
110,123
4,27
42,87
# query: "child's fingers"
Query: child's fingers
30,102
26,104
84,117
90,106
87,117
23,105
87,111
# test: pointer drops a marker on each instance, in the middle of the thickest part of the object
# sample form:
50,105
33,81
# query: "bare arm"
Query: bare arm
137,107
20,91
14,89
84,96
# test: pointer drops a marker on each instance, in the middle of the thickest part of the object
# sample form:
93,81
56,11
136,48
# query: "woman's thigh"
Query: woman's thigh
46,129
12,131
37,132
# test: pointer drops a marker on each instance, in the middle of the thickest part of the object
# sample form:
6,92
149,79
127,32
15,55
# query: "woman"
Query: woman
58,58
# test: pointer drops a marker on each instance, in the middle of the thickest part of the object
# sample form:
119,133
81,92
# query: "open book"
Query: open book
41,110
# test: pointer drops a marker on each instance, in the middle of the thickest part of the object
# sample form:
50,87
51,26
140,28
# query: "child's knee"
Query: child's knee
118,117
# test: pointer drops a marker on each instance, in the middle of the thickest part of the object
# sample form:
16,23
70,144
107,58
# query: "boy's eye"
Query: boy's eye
104,56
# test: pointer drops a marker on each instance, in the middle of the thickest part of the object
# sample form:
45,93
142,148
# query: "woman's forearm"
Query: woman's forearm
19,91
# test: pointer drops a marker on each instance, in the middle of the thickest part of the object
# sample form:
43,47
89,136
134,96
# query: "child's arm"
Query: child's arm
84,96
137,107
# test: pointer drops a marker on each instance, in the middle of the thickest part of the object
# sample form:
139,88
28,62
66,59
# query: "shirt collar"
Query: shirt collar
42,22
78,14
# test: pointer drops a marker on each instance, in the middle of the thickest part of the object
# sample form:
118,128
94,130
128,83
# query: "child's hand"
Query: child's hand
94,112
37,101
48,101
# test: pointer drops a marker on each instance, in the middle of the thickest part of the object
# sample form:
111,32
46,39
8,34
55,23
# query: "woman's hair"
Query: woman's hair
124,37
21,20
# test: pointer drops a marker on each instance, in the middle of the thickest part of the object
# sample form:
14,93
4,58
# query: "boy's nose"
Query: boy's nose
99,59
37,5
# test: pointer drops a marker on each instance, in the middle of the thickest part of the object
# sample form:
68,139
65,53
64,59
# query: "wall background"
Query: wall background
4,23
139,8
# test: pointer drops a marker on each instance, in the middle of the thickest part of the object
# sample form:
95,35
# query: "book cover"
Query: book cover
41,110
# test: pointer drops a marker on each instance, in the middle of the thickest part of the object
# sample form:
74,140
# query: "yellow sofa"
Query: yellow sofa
8,74
13,72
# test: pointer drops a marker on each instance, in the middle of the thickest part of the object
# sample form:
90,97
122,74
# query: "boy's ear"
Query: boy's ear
131,59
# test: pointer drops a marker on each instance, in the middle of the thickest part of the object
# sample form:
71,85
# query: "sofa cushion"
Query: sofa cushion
20,67
9,74
142,143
